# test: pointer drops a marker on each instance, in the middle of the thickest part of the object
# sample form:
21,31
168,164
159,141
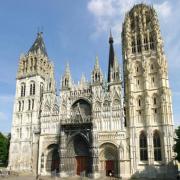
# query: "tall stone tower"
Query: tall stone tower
35,76
148,101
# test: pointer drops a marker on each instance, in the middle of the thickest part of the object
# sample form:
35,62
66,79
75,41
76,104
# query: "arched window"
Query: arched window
41,89
66,81
32,103
138,44
29,104
23,89
151,39
19,106
133,46
146,43
139,101
42,160
157,146
35,63
143,147
154,100
22,105
32,88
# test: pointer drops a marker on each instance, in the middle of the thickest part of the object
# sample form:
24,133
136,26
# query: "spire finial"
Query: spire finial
96,63
67,68
83,79
110,37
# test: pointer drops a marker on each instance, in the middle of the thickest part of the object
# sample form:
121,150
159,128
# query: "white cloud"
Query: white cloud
164,9
101,8
110,14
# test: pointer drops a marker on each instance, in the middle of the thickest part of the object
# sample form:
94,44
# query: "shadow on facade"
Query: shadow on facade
158,172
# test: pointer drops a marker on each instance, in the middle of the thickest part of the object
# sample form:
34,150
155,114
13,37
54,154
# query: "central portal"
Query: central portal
78,155
81,154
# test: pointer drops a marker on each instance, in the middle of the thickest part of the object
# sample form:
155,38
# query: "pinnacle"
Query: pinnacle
67,68
96,66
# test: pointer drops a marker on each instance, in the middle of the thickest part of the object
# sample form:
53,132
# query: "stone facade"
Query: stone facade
90,128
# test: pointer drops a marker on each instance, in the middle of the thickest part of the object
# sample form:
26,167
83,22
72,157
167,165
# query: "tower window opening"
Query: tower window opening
96,77
29,104
152,67
133,48
30,89
33,88
138,82
49,85
157,147
31,62
137,20
155,111
154,101
24,65
117,75
22,105
153,80
146,43
32,103
19,106
41,89
152,46
139,102
137,69
148,19
132,23
23,89
138,44
143,147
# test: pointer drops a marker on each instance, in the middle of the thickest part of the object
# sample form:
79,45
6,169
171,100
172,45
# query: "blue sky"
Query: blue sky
75,32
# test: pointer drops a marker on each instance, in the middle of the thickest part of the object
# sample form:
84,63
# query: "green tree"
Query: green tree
177,145
4,149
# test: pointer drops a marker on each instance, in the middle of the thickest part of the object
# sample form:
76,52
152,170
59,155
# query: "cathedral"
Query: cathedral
121,127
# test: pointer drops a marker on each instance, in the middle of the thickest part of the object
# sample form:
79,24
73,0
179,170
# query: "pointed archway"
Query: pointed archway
53,158
78,155
109,159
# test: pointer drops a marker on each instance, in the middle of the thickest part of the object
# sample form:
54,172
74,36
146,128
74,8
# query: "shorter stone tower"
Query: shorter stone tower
35,76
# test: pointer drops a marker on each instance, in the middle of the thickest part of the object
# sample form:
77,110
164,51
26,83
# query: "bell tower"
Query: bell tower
146,88
34,77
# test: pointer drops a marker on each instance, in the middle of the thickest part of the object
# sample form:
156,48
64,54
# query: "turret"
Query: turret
97,76
66,79
113,68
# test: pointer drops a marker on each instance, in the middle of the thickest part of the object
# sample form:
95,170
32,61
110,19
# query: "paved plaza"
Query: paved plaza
50,178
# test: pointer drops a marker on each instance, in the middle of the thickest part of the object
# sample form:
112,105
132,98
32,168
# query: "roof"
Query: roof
38,45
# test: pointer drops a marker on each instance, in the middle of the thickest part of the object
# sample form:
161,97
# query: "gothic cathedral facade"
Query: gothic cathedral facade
93,128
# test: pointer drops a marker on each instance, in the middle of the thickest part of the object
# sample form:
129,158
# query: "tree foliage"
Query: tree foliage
4,149
177,145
